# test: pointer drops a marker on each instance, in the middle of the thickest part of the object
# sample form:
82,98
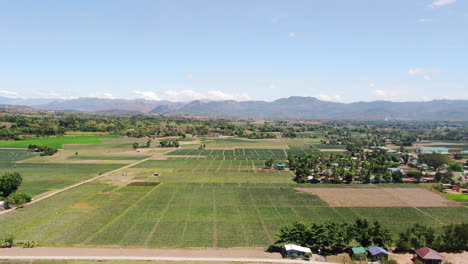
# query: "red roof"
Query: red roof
428,253
409,180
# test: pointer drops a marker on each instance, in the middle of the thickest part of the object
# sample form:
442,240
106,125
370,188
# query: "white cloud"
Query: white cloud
101,95
425,72
189,95
385,95
440,3
332,98
292,34
219,95
371,85
9,94
189,75
54,95
424,20
182,95
148,95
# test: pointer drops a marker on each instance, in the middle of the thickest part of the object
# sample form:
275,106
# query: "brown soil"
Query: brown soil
333,150
380,197
187,252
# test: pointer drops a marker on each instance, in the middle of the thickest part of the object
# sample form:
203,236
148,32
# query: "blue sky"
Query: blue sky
339,50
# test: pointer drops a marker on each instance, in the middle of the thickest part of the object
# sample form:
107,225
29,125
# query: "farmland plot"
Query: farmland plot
235,154
191,215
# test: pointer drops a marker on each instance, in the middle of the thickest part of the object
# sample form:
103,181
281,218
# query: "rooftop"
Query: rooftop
297,248
429,253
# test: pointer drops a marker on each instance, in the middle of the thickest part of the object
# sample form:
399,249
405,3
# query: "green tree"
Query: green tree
455,166
434,160
18,199
9,183
362,232
135,145
269,162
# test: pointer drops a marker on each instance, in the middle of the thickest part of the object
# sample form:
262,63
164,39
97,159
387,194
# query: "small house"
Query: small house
291,250
428,179
358,253
280,166
378,253
394,169
2,205
429,256
413,180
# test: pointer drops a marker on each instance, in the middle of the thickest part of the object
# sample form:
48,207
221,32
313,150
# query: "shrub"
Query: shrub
7,241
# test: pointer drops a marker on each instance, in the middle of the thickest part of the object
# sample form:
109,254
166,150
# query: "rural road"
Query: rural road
247,255
179,259
80,183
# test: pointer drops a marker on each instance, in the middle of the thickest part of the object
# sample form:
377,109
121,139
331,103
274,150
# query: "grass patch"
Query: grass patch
55,142
457,196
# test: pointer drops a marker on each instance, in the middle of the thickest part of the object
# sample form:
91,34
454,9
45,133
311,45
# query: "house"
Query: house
280,166
409,180
429,256
427,150
358,253
291,250
378,253
2,205
428,179
395,169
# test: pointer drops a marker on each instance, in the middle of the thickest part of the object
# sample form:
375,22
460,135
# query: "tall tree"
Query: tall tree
9,183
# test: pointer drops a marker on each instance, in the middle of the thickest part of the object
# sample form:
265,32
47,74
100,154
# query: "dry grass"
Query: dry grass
377,197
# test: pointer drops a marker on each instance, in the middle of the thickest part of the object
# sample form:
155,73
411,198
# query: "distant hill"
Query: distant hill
16,109
104,105
294,107
312,108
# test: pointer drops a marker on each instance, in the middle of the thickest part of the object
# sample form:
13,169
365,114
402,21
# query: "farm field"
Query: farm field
191,215
56,142
203,198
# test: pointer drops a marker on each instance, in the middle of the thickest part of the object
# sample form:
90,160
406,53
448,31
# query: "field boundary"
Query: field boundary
81,183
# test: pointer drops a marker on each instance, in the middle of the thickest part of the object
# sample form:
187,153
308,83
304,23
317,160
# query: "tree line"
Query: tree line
333,238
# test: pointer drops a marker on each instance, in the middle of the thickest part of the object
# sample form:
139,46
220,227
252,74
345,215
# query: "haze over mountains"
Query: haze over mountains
285,108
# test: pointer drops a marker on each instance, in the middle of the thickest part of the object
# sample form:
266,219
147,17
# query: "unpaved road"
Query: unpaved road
47,195
247,255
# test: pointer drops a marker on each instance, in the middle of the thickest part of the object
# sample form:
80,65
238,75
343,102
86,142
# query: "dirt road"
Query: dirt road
246,255
47,195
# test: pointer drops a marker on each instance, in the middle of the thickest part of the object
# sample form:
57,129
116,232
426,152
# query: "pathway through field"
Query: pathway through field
86,181
246,255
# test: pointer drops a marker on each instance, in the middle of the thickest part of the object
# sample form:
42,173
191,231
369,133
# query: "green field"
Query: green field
206,198
14,155
457,196
191,215
42,177
55,142
236,154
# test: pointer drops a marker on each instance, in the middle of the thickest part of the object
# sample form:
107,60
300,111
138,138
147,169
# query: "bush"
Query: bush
7,241
26,244
18,199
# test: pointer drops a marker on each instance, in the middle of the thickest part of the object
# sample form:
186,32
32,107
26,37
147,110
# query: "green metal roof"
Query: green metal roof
358,250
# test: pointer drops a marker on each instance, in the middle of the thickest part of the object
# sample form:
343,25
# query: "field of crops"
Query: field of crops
14,155
206,198
56,142
236,154
42,177
191,215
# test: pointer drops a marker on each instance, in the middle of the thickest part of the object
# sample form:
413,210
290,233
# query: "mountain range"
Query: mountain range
293,107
